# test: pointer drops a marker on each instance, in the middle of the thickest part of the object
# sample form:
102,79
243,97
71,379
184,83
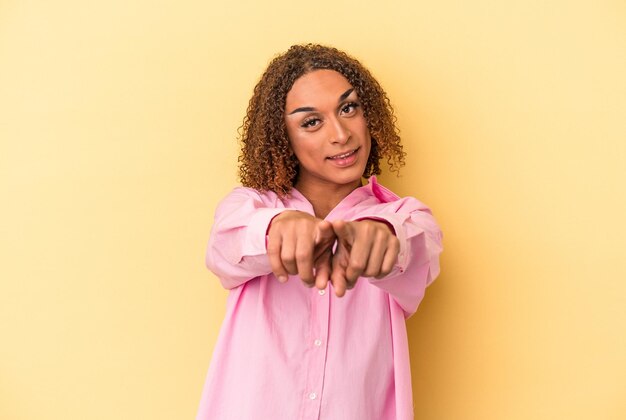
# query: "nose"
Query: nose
339,134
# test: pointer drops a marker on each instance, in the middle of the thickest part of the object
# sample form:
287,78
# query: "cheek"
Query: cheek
360,126
292,131
297,149
365,133
295,141
303,154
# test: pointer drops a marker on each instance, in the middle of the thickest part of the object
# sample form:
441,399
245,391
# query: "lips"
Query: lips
343,155
344,160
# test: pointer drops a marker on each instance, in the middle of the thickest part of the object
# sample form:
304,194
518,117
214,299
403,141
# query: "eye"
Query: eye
310,122
349,108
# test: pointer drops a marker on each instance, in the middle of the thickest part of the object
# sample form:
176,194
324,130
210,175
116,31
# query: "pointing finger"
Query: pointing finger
323,270
324,232
304,260
339,282
344,231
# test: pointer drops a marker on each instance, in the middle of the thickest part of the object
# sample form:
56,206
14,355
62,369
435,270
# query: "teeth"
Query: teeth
343,156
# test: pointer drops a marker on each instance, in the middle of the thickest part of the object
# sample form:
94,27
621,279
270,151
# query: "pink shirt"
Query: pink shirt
289,352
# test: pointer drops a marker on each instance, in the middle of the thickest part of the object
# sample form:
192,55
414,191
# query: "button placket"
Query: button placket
320,307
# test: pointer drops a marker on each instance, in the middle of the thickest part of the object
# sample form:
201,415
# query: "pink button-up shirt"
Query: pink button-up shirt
288,352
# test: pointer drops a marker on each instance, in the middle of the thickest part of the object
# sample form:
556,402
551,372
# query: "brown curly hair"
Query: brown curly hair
266,160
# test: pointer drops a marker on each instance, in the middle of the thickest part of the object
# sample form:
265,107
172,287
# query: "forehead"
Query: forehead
317,88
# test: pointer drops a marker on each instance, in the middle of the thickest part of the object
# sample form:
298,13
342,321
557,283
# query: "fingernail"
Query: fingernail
282,279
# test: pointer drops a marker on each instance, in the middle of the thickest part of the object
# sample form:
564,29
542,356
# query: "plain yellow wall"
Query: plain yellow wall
118,123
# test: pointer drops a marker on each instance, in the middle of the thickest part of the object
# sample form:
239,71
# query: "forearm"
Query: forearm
236,251
417,267
417,263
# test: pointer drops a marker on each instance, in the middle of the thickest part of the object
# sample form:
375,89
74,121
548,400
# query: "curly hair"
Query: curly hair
266,161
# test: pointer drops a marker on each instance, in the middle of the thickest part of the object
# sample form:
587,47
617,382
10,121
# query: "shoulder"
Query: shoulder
376,193
247,198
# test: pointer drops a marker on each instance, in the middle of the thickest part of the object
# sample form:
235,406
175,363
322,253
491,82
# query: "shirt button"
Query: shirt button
318,342
312,395
322,292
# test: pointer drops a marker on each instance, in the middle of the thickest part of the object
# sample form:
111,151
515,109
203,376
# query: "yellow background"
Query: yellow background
118,123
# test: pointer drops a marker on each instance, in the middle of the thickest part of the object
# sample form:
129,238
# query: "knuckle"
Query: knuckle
302,255
358,265
287,258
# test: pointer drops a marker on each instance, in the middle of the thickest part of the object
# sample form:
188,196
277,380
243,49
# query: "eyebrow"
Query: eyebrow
310,108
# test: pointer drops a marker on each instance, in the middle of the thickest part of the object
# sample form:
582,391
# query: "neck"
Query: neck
325,197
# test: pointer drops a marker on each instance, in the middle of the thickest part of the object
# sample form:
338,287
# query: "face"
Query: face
327,131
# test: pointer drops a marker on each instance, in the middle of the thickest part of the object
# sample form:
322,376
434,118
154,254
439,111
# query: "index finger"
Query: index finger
339,281
304,259
344,232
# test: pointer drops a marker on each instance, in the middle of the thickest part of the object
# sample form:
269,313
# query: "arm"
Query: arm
254,235
236,250
419,239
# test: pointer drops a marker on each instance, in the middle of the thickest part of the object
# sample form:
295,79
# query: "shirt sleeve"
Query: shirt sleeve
236,250
420,245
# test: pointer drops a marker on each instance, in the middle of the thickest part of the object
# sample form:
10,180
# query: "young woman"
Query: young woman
322,270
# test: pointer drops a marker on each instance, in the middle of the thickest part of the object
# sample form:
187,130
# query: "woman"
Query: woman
322,271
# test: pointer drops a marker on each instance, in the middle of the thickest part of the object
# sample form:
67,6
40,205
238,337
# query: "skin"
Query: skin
324,119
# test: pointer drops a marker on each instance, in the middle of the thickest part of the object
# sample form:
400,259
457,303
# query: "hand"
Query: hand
299,243
364,248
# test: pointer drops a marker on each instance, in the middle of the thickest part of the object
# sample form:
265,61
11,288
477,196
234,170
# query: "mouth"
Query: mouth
343,155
